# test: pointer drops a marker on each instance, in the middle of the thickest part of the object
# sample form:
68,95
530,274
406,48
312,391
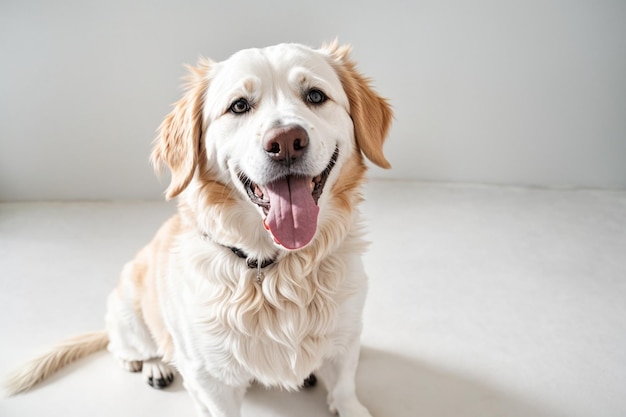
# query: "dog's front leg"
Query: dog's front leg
212,397
338,375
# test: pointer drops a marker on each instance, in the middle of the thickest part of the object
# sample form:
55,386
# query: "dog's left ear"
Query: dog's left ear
371,114
179,141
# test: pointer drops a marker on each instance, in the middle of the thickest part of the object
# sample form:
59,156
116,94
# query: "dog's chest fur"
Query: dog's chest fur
276,332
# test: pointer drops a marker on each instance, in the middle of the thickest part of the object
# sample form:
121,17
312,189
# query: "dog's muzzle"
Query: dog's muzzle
290,203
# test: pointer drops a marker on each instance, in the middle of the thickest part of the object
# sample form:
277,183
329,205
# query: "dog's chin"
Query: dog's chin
289,204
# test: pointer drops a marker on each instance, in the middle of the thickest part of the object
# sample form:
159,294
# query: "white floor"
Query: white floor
484,301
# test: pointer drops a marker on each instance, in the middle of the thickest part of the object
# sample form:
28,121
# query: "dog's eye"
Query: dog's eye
316,96
240,106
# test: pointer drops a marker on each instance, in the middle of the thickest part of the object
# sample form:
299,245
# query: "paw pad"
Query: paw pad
158,374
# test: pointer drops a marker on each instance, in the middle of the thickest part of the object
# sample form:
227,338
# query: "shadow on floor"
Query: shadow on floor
391,385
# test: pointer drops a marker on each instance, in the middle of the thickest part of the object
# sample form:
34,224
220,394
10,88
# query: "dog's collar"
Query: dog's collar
252,263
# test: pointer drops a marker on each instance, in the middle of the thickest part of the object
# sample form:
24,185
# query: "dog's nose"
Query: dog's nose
286,144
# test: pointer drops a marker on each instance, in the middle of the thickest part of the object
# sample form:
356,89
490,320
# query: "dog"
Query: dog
258,277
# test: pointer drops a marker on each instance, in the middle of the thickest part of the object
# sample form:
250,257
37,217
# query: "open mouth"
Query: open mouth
259,197
290,205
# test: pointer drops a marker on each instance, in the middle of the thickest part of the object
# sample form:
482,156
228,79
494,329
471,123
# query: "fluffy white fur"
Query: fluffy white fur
187,301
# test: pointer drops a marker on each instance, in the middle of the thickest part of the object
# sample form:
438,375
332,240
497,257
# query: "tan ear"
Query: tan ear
179,140
371,114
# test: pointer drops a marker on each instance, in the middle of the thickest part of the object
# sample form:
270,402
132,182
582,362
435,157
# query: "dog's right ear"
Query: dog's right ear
370,113
179,141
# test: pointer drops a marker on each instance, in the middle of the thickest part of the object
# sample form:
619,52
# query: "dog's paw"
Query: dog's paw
132,366
351,408
158,374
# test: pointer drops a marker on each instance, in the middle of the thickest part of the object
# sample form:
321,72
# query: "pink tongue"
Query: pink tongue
292,218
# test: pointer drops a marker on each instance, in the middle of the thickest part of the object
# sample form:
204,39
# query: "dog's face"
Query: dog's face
279,125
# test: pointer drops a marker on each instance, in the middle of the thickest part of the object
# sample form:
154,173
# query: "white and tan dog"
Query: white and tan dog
259,275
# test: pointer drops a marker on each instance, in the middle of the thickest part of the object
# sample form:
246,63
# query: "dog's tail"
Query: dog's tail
64,353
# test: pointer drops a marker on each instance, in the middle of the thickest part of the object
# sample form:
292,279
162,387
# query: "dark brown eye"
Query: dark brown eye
315,96
240,106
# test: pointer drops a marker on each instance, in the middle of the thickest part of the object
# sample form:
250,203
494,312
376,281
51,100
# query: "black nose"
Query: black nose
286,144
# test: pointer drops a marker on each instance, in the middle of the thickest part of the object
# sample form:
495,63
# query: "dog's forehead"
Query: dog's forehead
275,63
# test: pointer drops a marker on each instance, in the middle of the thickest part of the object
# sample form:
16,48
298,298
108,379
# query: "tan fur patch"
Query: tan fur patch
178,145
148,268
370,113
345,190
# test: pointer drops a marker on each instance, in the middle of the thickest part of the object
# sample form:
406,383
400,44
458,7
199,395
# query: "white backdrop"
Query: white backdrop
501,92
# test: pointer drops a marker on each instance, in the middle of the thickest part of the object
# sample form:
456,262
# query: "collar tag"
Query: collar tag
259,275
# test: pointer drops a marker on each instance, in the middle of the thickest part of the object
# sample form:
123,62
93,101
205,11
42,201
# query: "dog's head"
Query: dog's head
282,127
